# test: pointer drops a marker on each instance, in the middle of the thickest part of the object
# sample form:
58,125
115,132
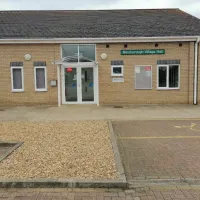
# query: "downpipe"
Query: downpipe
196,70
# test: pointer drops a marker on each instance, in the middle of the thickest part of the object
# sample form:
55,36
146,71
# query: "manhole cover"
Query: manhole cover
6,148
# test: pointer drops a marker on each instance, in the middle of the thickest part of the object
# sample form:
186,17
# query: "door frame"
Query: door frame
79,88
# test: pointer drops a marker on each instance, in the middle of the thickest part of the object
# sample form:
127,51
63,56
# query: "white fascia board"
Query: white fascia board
99,40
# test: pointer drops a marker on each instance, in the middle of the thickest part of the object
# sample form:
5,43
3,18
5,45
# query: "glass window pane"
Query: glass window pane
87,51
70,50
17,78
87,84
162,75
173,76
84,59
70,59
143,77
71,84
117,70
40,78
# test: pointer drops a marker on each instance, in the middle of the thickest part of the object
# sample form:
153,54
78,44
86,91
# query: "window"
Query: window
40,78
143,77
85,52
71,51
17,79
117,70
168,76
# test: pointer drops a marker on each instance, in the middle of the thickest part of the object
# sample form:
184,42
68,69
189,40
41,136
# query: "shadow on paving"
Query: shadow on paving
160,149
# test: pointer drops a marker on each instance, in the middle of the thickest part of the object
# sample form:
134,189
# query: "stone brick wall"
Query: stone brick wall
15,53
109,92
125,93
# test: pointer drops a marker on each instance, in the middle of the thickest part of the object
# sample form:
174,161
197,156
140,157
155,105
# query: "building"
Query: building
103,57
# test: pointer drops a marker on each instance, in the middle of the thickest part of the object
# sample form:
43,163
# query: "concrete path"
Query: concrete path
92,112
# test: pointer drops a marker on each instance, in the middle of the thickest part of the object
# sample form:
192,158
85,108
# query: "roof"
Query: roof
97,23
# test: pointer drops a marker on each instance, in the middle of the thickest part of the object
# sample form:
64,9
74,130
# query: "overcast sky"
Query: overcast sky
191,6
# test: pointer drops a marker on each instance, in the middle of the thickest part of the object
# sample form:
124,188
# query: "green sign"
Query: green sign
143,52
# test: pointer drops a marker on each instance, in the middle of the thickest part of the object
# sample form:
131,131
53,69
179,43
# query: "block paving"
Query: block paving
100,194
159,149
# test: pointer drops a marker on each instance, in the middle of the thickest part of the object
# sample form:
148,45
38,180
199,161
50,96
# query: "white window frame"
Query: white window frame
45,72
113,66
167,78
22,74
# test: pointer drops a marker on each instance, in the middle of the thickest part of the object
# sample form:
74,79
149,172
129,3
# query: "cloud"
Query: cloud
49,4
191,6
193,9
135,4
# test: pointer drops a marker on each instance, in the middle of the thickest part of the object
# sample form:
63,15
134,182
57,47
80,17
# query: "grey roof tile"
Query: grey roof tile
97,23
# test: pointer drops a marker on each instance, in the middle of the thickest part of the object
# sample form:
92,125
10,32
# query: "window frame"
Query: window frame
45,72
22,74
113,74
167,78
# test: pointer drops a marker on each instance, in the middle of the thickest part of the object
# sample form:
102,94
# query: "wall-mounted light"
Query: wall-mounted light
27,57
107,45
180,44
125,45
104,56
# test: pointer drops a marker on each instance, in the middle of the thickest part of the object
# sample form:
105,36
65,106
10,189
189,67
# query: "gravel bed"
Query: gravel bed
58,149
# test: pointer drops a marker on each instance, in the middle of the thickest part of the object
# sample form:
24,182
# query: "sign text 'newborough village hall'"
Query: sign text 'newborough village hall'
143,52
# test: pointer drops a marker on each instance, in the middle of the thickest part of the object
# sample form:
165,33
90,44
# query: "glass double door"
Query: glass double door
78,84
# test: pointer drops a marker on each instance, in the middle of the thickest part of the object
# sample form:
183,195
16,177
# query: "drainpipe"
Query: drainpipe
58,84
196,70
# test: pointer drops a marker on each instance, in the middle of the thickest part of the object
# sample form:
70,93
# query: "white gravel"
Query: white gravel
58,149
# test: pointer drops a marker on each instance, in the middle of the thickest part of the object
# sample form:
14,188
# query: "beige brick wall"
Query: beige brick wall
125,93
110,93
39,52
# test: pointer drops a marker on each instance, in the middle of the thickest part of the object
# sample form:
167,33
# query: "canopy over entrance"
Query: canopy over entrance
75,60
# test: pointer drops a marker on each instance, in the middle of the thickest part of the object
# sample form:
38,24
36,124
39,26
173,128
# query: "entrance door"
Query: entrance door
70,79
78,85
87,84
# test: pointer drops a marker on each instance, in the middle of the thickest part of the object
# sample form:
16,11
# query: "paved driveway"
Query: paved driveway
159,149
